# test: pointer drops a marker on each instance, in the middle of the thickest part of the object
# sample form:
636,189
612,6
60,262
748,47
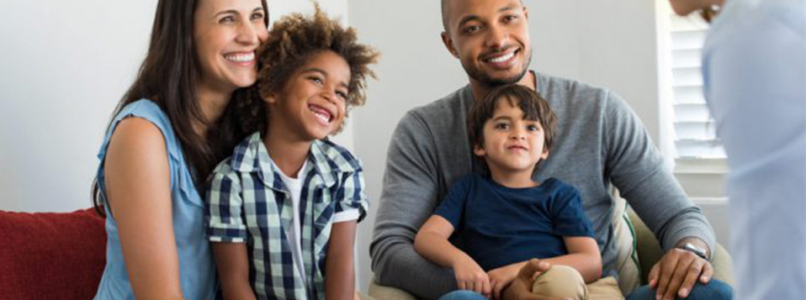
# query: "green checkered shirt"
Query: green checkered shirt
249,203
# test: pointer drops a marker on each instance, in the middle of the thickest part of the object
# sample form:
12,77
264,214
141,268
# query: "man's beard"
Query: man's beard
485,79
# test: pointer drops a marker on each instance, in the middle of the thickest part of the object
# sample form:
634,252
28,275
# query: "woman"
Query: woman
754,70
173,125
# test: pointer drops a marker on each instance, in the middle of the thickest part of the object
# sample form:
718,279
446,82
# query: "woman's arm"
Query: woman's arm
340,271
232,262
139,197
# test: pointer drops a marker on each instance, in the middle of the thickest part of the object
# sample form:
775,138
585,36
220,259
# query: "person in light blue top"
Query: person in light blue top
754,72
175,123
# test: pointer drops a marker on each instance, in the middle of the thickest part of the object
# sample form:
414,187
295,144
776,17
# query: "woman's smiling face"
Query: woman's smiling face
226,35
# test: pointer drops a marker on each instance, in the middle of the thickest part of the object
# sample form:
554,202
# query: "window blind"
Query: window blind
695,130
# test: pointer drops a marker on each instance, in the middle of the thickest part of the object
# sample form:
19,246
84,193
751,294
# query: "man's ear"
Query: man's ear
446,39
525,13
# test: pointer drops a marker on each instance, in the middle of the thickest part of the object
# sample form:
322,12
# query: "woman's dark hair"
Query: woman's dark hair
168,78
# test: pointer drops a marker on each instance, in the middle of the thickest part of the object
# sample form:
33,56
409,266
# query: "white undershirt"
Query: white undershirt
294,186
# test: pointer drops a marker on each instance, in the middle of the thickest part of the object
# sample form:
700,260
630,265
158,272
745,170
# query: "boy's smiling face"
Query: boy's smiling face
511,143
311,105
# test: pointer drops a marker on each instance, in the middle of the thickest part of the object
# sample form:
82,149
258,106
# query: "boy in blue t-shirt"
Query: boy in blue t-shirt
506,218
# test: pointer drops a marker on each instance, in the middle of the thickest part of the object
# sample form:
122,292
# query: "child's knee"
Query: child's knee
561,281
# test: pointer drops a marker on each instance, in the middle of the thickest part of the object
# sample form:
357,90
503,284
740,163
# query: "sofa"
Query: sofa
643,251
51,255
62,255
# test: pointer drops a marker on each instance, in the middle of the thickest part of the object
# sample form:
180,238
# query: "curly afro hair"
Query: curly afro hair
292,41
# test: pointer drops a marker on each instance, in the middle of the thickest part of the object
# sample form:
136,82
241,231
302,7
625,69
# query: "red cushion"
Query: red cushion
51,255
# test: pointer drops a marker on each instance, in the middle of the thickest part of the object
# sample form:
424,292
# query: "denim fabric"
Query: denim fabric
714,290
462,295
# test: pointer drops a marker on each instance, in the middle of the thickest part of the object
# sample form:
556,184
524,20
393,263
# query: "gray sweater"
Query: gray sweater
599,141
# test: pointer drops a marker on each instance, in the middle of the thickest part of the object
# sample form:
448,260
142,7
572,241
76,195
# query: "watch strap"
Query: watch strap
694,249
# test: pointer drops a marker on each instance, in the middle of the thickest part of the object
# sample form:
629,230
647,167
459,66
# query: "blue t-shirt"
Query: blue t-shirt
499,226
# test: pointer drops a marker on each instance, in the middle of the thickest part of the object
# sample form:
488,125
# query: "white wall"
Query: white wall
63,68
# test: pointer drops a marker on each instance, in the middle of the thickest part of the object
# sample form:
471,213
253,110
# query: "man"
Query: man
600,142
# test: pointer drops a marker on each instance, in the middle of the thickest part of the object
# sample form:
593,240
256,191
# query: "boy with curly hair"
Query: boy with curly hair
282,211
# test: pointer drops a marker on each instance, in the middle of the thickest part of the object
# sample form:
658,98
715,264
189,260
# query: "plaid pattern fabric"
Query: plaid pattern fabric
249,203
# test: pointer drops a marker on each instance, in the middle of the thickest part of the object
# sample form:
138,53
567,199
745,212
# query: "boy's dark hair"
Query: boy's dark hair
534,108
295,38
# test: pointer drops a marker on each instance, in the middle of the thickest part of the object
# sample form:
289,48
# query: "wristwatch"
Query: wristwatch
694,249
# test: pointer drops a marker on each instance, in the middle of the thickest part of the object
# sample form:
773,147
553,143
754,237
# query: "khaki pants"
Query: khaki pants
566,282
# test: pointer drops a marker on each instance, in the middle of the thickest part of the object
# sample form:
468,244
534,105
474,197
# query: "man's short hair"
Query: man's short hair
444,4
445,14
534,108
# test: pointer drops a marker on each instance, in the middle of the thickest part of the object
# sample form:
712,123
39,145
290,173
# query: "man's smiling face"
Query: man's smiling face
490,38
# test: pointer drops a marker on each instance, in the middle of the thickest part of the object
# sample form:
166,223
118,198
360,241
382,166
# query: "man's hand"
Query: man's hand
677,272
470,276
500,278
521,286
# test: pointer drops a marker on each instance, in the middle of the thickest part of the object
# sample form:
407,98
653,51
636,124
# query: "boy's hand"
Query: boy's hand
470,276
521,287
501,278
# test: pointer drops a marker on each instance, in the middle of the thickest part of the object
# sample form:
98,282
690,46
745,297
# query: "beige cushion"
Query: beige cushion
627,263
382,292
